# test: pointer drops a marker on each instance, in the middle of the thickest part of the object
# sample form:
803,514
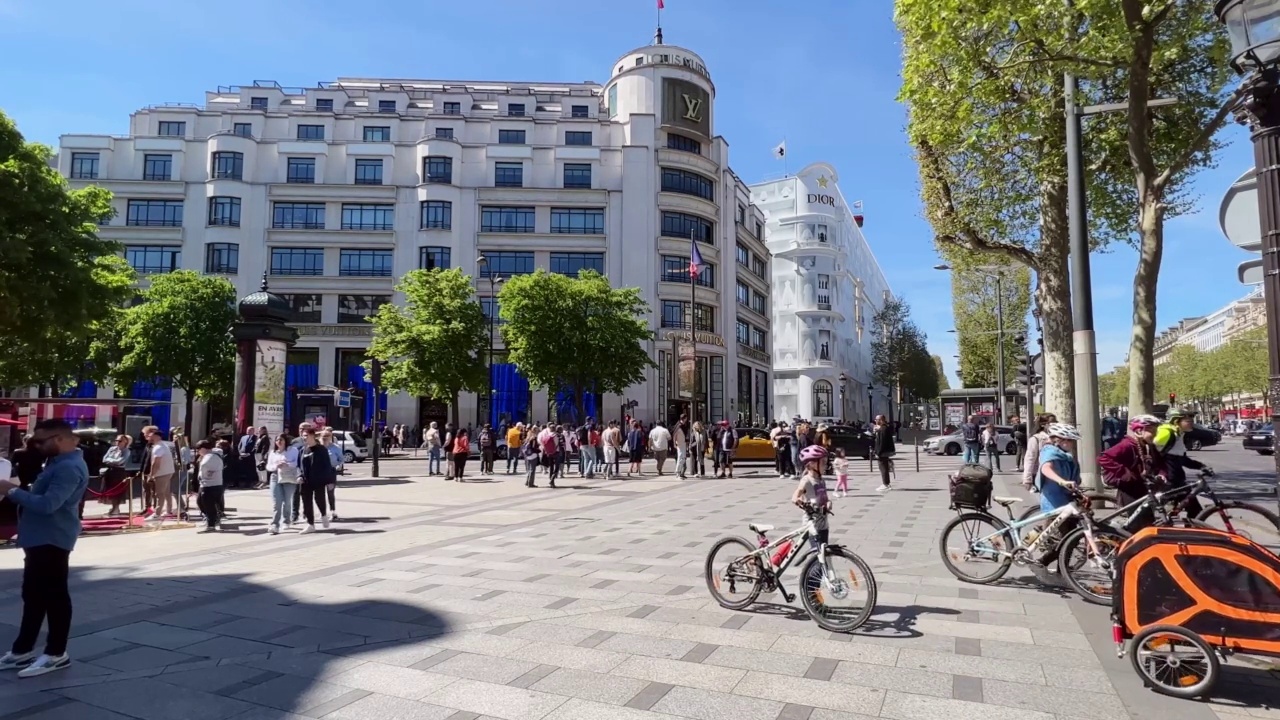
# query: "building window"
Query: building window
437,214
743,256
301,170
297,261
824,292
758,267
257,103
306,307
452,108
762,395
154,213
152,259
173,129
578,111
612,100
691,227
510,137
438,169
368,217
577,221
369,171
365,263
744,393
742,214
743,294
576,137
386,106
324,105
221,258
242,130
823,396
704,318
818,231
569,263
515,110
759,230
492,309
506,219
357,308
444,133
508,174
675,268
157,167
683,144
577,175
84,166
310,132
758,303
757,338
298,216
377,133
688,183
505,264
224,211
431,257
675,314
228,166
743,333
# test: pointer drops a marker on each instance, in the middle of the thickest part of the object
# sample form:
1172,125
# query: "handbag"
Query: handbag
287,474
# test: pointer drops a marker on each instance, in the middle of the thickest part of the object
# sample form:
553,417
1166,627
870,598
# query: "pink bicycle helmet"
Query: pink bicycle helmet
813,452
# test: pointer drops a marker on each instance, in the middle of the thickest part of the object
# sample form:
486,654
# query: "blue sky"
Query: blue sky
824,75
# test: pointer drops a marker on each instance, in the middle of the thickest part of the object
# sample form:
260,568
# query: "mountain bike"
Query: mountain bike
837,600
985,538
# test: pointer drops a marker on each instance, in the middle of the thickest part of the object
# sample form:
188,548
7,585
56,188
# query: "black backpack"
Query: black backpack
584,435
970,431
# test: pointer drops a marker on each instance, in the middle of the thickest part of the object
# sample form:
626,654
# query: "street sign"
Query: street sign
344,398
1238,215
1250,272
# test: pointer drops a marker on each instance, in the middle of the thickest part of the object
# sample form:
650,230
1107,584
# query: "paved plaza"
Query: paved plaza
433,600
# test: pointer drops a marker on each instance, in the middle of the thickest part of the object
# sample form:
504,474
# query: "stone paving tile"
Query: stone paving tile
983,667
484,667
1044,654
675,672
722,636
577,709
212,679
140,658
401,653
166,637
1092,706
853,651
706,705
478,642
596,687
579,658
320,666
291,693
893,678
73,711
498,700
149,699
802,691
763,660
906,706
390,680
646,645
387,707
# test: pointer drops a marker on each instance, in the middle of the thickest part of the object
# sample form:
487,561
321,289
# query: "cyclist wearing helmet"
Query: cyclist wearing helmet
1059,472
812,489
1168,442
1126,465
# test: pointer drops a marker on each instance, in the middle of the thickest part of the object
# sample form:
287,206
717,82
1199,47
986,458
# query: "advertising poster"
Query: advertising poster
954,413
268,386
688,368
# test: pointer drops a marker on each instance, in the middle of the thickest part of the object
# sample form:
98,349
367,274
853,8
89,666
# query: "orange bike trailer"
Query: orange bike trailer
1218,585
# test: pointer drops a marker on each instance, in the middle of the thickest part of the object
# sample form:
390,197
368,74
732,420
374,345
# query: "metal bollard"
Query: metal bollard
917,447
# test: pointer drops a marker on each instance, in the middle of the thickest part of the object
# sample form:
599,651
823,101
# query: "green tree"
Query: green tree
434,344
942,373
973,299
602,351
55,280
899,353
180,332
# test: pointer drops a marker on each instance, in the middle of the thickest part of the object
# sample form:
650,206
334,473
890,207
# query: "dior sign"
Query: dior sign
818,199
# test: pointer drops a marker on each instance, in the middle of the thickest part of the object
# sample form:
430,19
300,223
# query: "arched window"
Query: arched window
823,399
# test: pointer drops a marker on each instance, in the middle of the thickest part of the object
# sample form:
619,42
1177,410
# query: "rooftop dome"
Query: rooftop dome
265,306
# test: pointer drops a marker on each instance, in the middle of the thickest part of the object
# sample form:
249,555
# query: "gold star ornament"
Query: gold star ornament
822,181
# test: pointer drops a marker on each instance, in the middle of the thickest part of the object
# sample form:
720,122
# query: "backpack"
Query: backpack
486,439
970,431
584,435
971,487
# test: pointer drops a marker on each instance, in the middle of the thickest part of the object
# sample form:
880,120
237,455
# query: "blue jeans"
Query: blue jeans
433,461
282,501
588,455
972,453
513,460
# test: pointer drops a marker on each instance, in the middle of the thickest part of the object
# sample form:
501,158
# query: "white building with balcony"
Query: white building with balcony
335,191
827,288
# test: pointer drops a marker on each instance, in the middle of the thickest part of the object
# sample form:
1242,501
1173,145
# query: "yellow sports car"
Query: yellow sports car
753,445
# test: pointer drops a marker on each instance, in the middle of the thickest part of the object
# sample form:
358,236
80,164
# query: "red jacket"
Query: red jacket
1126,463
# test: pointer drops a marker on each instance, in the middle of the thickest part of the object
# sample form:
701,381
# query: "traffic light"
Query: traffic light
375,373
1173,398
1026,376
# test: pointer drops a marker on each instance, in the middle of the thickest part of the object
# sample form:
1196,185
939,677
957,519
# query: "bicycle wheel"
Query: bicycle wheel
1089,575
1174,661
1246,520
738,584
980,539
842,600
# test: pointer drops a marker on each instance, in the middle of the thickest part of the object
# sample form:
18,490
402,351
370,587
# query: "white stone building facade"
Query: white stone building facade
827,288
335,191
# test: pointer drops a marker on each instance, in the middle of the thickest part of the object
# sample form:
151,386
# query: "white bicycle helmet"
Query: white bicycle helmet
1143,421
1063,431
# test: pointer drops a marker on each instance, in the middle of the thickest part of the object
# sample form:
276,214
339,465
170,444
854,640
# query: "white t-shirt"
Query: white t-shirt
6,469
658,438
161,460
210,470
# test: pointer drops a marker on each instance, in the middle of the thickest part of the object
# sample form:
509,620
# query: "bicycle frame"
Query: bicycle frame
1156,501
1013,528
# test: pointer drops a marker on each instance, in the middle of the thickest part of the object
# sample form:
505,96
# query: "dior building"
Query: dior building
827,288
336,190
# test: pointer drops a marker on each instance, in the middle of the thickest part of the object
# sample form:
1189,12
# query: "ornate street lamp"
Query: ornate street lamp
844,387
1254,29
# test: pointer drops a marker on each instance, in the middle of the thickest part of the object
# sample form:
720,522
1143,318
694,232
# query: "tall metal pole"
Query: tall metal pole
1085,344
488,411
1000,348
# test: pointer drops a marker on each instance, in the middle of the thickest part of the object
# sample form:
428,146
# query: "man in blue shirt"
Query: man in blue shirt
47,532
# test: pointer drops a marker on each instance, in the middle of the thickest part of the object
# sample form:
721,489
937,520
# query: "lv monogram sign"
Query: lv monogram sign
692,108
686,105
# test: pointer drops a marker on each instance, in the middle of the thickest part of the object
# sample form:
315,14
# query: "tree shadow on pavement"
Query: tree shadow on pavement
222,646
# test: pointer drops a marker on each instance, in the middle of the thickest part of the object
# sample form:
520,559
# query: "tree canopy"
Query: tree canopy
899,355
578,334
974,302
180,331
433,345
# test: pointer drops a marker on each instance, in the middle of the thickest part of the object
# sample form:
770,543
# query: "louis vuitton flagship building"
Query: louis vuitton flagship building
335,191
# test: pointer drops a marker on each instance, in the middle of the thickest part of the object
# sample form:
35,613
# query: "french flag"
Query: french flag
695,261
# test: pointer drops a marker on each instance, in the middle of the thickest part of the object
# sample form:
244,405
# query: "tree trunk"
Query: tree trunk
190,396
1142,376
580,403
453,410
1053,298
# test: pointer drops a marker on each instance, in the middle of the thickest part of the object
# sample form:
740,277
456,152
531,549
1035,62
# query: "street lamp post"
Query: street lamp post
998,274
871,413
844,388
1255,50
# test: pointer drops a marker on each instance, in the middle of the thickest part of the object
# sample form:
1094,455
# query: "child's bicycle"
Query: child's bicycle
839,600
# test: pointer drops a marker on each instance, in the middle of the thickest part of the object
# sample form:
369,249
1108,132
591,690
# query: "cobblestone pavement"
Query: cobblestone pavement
430,599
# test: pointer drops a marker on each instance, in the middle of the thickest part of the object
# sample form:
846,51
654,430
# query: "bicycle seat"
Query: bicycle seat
761,529
1005,501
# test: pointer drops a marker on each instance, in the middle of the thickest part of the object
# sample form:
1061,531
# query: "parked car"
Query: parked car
1200,436
953,443
1261,440
354,447
856,442
754,445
